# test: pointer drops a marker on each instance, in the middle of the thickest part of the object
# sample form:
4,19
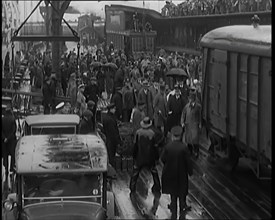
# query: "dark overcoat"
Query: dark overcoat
148,100
85,127
117,99
160,104
177,167
175,106
111,129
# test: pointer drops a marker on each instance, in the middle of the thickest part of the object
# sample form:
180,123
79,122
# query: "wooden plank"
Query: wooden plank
45,38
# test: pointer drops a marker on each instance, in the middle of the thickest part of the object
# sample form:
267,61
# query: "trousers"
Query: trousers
137,169
174,205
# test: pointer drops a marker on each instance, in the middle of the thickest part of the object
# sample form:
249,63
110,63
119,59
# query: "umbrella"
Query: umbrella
177,72
111,65
96,64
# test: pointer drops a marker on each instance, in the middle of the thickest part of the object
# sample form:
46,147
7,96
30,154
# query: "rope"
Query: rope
16,32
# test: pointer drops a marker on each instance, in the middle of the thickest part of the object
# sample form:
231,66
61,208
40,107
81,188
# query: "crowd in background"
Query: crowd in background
207,7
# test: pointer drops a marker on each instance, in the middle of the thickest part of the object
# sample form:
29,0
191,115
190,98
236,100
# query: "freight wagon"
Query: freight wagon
237,93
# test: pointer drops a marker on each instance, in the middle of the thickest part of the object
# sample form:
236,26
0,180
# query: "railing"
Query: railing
23,101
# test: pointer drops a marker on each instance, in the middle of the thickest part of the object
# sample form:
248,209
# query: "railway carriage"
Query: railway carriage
237,87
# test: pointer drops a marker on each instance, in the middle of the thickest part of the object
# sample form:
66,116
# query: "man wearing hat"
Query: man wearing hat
111,131
137,116
145,155
92,93
177,167
175,106
160,108
71,90
191,118
86,124
145,95
91,107
48,95
8,139
128,100
117,99
81,100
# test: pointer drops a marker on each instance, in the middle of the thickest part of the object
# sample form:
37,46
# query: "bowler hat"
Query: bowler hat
176,131
146,122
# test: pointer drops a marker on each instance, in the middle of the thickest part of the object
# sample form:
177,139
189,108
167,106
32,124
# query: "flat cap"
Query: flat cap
87,113
176,131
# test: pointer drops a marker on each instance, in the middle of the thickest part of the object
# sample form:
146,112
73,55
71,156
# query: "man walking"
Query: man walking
111,131
177,167
191,119
8,139
175,106
145,154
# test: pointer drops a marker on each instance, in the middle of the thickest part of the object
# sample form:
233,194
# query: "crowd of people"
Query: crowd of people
207,7
137,91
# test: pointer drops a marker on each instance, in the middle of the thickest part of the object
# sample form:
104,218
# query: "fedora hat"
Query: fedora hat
146,122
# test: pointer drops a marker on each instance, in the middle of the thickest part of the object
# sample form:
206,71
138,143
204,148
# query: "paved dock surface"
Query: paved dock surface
214,193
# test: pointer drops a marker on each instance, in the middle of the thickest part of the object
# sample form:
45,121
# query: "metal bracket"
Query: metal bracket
45,38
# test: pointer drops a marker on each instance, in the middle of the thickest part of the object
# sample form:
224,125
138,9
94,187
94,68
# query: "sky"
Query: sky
87,7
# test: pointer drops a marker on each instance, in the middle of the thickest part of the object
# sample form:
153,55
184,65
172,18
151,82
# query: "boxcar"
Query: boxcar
237,91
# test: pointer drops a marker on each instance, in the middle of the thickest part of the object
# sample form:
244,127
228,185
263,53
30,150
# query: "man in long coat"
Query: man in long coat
145,154
128,100
191,119
145,96
117,99
8,139
175,106
160,108
177,167
81,100
112,133
47,96
137,116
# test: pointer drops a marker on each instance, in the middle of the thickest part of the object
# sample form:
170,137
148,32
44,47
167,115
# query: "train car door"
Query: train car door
217,88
